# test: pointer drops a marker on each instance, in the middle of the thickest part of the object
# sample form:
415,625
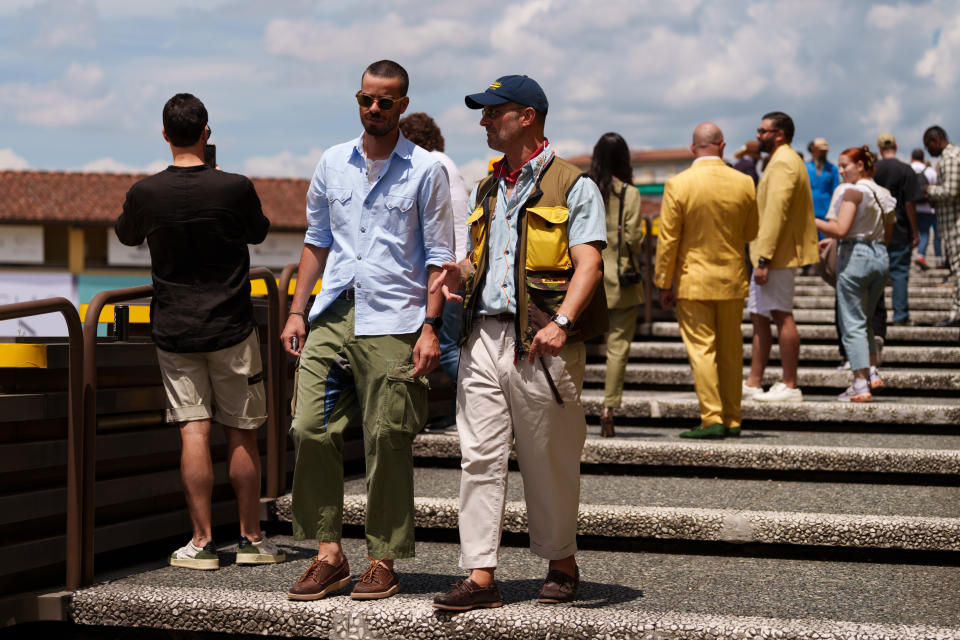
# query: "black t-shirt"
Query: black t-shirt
901,180
197,222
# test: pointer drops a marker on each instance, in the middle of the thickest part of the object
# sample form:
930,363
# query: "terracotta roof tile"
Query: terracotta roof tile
97,198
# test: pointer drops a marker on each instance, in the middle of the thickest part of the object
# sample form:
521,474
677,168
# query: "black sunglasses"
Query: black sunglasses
366,101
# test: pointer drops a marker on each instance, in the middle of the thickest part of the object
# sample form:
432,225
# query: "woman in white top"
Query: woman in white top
859,219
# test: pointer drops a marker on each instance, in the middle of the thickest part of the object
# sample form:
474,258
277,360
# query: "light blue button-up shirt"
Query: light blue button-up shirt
382,231
587,223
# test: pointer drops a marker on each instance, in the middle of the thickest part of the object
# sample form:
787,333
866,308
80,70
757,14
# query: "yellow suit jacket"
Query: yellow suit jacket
788,233
708,214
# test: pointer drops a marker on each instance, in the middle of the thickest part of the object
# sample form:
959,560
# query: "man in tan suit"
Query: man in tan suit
787,239
709,213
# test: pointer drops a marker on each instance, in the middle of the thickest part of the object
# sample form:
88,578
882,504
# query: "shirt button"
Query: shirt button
363,229
359,258
358,285
366,202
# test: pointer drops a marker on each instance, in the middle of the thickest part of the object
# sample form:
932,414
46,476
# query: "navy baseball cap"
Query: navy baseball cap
520,89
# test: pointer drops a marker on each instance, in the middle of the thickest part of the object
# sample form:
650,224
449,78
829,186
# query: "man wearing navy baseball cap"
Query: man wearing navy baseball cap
522,361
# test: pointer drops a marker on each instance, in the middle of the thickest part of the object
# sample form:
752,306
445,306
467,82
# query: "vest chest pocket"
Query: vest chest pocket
477,232
547,242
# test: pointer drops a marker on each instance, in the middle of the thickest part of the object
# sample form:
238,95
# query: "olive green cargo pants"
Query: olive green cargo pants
341,376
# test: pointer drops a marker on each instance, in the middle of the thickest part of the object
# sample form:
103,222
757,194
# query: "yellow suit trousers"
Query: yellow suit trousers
714,340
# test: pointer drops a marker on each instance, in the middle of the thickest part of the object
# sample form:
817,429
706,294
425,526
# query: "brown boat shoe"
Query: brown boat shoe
319,579
378,581
467,594
559,587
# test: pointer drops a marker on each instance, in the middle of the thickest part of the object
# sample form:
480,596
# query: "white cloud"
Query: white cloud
109,165
883,115
569,147
329,41
942,62
283,165
9,160
887,17
78,98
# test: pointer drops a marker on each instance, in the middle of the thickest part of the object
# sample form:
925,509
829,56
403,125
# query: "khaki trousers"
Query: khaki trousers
714,340
623,326
501,405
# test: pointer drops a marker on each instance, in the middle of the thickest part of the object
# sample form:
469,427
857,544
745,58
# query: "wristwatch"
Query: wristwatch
762,262
562,321
434,321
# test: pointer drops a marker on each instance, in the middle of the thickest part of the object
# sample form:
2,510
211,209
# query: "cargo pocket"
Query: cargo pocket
405,407
547,242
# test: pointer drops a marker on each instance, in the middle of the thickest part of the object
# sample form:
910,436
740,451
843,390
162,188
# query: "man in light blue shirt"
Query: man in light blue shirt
380,226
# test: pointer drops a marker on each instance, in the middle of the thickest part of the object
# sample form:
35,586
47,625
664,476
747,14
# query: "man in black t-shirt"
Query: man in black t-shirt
197,221
902,182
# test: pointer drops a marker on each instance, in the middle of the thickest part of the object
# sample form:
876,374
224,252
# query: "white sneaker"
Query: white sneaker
780,392
844,366
750,392
191,556
260,552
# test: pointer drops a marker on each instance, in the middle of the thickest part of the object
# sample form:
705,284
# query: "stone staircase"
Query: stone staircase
823,520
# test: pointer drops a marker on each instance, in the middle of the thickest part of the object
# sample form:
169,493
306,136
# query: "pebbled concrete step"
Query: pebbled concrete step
894,379
808,352
737,453
917,303
914,291
825,316
742,510
814,409
643,596
947,335
918,278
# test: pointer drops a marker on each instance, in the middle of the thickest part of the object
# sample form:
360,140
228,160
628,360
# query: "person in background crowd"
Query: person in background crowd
610,168
945,197
823,177
198,221
709,213
533,295
420,129
897,177
787,239
380,226
862,263
926,217
748,160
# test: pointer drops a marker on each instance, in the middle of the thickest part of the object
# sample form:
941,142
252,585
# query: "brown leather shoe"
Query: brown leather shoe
467,594
559,587
377,582
319,579
606,423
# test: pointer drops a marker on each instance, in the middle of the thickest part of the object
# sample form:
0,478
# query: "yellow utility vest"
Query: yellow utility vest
544,251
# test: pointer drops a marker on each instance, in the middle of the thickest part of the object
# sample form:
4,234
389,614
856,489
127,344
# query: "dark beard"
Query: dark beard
378,129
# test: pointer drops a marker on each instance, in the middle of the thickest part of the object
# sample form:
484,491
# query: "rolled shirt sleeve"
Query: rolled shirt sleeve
318,211
436,216
587,221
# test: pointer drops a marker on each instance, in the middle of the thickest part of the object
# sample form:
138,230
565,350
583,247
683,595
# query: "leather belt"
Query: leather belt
502,317
347,294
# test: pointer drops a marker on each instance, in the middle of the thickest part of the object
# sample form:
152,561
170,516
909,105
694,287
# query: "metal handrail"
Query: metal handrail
76,460
286,276
90,323
91,320
275,437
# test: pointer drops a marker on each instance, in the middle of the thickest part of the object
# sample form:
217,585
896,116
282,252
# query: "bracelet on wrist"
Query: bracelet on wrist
298,313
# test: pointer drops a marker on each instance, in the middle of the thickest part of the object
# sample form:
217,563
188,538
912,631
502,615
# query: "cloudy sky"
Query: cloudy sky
83,82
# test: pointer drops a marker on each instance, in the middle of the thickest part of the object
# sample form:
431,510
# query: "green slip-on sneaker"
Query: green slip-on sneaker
713,431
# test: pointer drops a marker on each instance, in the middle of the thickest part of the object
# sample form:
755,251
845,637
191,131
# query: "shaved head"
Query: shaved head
707,140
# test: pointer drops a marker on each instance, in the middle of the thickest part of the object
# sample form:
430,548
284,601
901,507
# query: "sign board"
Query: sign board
278,250
120,255
22,287
21,244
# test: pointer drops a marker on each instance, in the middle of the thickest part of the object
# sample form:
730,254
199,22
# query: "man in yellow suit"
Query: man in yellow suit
709,213
787,239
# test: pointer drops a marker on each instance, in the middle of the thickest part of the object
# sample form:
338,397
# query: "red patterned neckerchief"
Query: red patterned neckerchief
500,167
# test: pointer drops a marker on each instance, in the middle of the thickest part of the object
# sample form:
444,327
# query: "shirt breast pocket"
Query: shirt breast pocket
339,201
399,216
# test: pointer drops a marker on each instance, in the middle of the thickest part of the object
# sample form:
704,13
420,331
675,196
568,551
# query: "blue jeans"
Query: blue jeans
899,255
449,337
925,222
861,274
